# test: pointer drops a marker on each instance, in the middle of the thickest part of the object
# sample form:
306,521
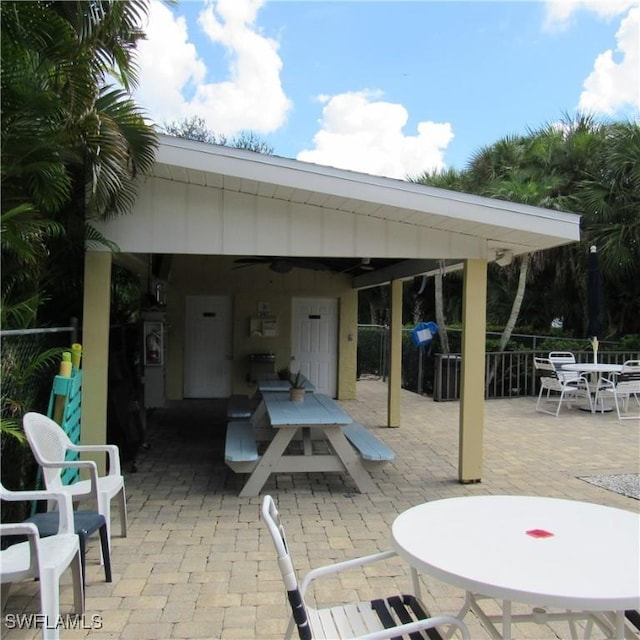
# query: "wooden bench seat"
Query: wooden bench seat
240,447
239,408
373,451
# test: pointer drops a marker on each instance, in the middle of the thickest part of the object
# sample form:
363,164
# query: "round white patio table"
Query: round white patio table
593,369
544,552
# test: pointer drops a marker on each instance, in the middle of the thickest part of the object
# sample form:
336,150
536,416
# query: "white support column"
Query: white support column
95,347
395,355
474,323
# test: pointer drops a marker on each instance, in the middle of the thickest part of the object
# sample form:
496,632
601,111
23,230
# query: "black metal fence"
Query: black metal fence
508,374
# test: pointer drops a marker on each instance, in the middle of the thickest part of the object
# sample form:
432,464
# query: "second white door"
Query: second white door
314,349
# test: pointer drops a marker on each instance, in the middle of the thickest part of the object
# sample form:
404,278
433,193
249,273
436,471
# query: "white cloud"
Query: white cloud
612,86
358,130
168,64
559,12
253,97
360,133
173,76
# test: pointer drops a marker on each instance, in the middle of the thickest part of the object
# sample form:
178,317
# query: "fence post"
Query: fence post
420,354
75,330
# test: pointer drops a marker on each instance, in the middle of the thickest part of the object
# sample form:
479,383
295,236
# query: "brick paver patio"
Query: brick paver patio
198,562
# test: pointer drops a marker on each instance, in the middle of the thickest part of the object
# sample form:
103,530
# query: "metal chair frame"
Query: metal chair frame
379,619
621,386
552,382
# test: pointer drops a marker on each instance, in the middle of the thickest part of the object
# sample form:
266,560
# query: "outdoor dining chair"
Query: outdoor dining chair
556,388
621,386
49,444
558,358
390,617
43,559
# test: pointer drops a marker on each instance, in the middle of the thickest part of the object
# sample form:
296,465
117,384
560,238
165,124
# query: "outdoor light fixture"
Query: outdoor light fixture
504,257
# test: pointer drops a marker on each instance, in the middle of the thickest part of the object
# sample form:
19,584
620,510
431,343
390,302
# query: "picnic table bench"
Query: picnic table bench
372,450
239,407
240,448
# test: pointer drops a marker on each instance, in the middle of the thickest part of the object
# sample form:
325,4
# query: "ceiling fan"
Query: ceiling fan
282,265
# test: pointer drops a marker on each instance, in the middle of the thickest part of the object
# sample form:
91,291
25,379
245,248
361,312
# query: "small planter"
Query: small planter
297,395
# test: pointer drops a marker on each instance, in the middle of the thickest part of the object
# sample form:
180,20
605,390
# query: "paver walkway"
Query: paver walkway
198,562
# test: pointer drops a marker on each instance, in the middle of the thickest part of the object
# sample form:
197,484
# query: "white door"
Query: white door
207,347
314,349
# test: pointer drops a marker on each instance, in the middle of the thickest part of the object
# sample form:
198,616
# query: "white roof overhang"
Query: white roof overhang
202,198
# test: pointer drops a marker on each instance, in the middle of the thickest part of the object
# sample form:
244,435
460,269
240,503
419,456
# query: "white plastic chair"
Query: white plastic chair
49,444
552,383
374,620
45,559
621,386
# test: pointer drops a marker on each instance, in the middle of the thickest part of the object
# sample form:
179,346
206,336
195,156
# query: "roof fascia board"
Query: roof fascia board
294,174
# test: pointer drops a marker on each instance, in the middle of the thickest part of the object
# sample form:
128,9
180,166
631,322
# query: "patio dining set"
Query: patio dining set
597,384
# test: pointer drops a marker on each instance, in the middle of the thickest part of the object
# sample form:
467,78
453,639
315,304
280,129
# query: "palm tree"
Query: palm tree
72,139
581,166
72,144
610,197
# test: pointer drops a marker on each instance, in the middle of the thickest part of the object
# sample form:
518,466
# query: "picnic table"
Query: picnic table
285,419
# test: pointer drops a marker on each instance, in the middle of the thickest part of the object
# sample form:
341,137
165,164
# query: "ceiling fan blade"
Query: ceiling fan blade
314,265
249,262
282,265
253,260
363,265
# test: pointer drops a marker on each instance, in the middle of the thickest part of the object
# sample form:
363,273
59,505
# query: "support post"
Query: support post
395,355
474,323
95,347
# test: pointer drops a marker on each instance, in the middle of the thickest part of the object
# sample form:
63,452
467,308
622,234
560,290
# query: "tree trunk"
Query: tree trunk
442,330
372,313
515,312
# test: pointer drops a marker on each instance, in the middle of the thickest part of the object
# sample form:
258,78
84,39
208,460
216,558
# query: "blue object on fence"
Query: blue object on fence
423,333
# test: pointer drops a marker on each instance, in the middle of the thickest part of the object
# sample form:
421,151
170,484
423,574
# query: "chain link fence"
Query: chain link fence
26,371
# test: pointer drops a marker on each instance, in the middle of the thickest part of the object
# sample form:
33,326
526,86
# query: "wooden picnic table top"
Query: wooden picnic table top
316,409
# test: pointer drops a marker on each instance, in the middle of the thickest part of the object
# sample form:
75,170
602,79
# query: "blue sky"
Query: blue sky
389,88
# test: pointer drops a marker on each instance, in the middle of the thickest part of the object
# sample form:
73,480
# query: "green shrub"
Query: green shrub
630,342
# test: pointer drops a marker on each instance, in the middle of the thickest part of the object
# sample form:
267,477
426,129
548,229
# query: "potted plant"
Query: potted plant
297,388
284,373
